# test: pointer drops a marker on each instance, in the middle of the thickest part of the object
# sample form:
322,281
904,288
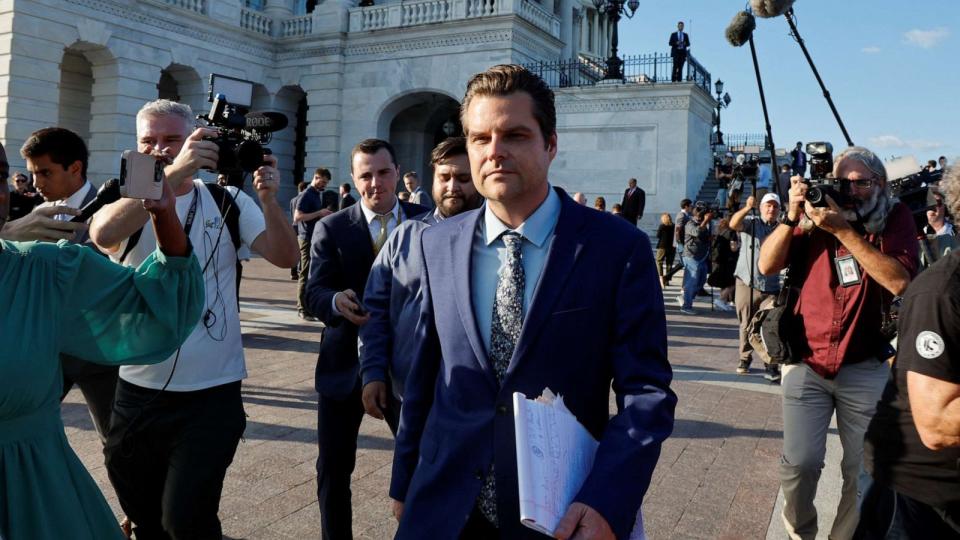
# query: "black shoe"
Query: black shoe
772,373
744,367
306,316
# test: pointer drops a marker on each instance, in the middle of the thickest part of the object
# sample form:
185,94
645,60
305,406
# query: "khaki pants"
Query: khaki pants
304,274
744,312
809,402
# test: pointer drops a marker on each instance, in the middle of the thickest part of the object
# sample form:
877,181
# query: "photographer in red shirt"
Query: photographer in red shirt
849,260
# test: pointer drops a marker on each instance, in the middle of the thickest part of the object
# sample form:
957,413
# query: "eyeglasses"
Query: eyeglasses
863,183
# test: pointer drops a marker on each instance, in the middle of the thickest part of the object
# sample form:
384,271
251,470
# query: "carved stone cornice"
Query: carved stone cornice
155,17
432,42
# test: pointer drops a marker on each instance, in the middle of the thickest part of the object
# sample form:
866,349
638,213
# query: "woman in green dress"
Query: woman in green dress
66,298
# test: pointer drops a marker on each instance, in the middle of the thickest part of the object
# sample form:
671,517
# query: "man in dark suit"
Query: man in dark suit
634,199
679,47
341,253
57,159
505,286
346,199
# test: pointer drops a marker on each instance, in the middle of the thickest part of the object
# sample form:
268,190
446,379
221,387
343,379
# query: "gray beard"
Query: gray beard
873,212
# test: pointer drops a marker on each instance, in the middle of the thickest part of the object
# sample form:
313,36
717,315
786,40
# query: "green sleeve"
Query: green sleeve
112,314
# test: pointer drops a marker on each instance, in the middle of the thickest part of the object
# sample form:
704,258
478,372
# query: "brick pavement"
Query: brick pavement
716,478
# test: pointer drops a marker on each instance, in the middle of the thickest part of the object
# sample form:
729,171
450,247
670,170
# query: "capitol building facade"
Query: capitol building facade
395,69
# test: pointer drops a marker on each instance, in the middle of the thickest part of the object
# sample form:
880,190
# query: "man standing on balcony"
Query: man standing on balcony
679,46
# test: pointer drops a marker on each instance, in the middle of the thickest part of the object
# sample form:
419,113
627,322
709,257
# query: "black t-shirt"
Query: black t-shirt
724,169
929,344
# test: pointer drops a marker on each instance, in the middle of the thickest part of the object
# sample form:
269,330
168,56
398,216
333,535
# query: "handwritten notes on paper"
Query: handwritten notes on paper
554,456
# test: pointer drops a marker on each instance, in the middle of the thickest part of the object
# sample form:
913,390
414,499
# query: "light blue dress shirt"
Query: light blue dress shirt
489,257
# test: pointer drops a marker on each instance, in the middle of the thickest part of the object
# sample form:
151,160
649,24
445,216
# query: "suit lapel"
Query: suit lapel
361,232
564,250
461,246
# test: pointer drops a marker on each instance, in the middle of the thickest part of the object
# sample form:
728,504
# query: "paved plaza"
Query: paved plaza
717,475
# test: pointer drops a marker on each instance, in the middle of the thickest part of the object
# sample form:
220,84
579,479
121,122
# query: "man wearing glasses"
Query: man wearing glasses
850,261
22,199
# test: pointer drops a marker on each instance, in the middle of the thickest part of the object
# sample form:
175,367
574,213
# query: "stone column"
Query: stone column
324,91
121,87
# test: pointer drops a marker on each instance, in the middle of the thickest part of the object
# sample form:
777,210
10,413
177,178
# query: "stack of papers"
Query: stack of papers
554,456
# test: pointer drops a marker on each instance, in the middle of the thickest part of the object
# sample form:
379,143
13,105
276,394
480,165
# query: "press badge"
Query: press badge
848,271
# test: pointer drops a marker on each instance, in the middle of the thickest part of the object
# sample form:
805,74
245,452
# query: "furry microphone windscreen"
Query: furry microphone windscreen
741,28
770,8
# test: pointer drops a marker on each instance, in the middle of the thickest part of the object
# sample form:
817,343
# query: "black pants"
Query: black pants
889,515
98,384
678,60
167,455
338,424
478,527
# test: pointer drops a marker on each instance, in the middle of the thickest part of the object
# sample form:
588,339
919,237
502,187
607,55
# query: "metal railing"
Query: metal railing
740,140
638,69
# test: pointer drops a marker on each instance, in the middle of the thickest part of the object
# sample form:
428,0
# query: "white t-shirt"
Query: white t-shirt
213,354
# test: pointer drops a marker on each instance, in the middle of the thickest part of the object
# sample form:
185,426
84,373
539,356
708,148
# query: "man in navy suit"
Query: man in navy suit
679,47
393,293
342,250
530,291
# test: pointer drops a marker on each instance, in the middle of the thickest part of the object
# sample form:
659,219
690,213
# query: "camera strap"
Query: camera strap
192,213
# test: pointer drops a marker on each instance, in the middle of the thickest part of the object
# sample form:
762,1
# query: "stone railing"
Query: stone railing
425,12
537,16
297,26
416,12
255,21
197,6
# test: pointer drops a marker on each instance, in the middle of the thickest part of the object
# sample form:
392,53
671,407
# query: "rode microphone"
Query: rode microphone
741,28
109,192
266,121
766,9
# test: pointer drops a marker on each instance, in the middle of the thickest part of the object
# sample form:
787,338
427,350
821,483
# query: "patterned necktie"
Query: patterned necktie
504,334
382,237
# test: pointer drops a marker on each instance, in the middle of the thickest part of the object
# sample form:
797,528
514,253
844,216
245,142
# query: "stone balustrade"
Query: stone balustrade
297,26
418,12
255,21
537,16
197,6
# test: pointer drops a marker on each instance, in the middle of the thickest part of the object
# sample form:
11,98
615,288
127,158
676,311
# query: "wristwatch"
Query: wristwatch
786,221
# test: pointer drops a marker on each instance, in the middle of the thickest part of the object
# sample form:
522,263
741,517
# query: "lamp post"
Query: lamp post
614,9
722,103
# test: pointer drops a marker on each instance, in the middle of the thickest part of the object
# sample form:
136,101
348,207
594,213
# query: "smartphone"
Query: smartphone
141,176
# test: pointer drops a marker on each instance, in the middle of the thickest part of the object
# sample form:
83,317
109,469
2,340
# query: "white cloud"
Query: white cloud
870,50
892,141
926,39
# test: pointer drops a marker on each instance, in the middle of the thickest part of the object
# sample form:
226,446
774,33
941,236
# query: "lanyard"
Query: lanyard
192,213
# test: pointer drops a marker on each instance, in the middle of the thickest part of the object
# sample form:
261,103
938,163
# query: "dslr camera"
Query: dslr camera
822,183
241,135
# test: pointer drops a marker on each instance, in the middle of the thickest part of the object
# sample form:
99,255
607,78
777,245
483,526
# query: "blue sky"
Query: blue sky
892,68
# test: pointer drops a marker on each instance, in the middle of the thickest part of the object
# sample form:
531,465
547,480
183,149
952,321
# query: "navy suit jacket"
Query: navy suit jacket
341,253
596,318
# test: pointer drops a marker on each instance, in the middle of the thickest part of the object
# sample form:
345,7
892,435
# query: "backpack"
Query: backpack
229,211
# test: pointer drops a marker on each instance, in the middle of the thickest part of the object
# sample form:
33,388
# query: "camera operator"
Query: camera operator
698,237
912,447
168,451
845,270
724,174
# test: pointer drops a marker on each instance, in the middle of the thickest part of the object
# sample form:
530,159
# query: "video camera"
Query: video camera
822,183
241,134
917,191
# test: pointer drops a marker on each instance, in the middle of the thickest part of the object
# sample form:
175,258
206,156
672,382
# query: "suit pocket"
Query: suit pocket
571,311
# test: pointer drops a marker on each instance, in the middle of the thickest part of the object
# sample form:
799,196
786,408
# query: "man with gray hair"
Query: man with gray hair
851,260
176,425
912,446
